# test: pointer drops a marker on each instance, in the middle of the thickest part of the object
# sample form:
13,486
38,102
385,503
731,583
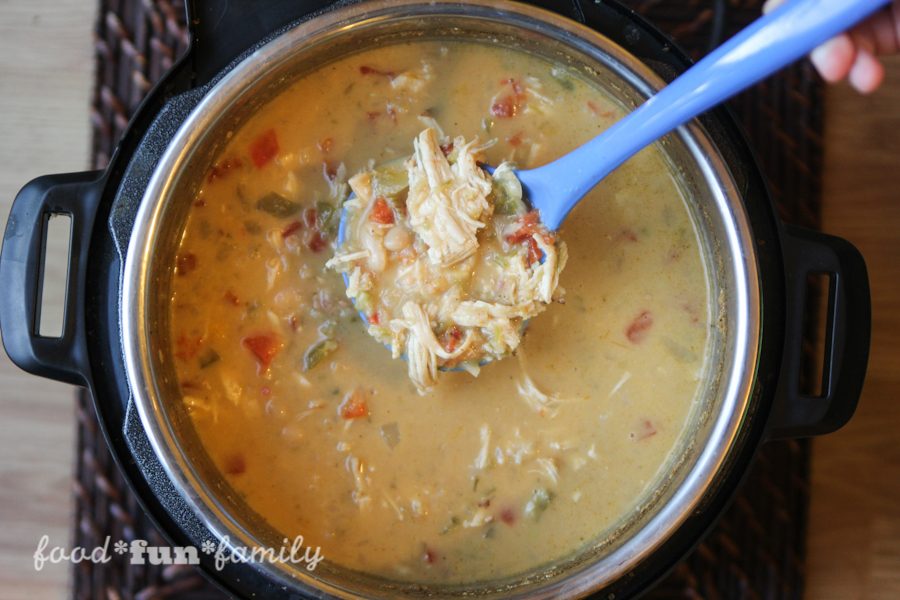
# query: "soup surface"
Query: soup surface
323,434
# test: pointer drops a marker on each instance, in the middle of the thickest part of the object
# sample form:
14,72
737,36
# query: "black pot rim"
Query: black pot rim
135,455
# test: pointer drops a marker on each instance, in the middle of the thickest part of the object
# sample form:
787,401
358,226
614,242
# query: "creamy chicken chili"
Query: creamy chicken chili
322,432
444,260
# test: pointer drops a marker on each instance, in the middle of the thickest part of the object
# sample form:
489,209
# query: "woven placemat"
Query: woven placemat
757,548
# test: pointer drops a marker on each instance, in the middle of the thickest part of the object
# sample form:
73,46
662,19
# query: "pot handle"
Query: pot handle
846,341
221,30
22,267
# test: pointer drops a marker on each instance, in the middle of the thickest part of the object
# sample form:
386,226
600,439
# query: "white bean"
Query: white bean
397,238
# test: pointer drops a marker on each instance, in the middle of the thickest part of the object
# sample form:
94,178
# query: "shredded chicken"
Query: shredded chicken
357,470
545,404
472,268
422,347
482,461
346,258
358,281
447,204
547,468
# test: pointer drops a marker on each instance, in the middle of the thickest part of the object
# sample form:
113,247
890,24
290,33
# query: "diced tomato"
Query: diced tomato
234,464
645,430
374,319
354,406
264,148
329,170
291,229
429,556
592,106
451,338
515,140
264,347
447,148
326,145
390,111
381,212
527,226
508,516
232,298
505,107
316,242
310,217
509,105
223,168
187,346
367,70
628,234
517,88
637,330
185,263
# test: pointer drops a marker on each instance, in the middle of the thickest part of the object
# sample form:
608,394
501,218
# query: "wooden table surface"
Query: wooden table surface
854,543
46,76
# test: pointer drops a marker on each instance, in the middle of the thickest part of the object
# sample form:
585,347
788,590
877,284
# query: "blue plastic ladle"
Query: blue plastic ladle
773,41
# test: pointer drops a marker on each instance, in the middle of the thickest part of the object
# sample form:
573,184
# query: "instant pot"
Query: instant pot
126,221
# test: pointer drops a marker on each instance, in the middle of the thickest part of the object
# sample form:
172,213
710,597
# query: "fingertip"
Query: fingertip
867,72
834,59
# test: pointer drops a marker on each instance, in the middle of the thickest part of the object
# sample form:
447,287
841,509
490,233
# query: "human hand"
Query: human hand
853,54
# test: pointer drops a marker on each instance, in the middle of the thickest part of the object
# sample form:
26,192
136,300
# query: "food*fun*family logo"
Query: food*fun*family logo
139,552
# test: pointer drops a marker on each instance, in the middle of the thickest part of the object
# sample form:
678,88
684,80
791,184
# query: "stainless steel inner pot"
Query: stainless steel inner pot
706,182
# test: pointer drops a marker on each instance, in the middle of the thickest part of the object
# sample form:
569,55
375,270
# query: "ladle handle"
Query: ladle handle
764,47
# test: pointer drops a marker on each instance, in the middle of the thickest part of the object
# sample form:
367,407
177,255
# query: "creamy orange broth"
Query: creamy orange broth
484,477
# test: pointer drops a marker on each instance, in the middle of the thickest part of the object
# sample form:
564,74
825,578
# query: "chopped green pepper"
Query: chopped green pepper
278,206
317,353
562,77
451,525
507,193
390,178
207,358
327,217
540,500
